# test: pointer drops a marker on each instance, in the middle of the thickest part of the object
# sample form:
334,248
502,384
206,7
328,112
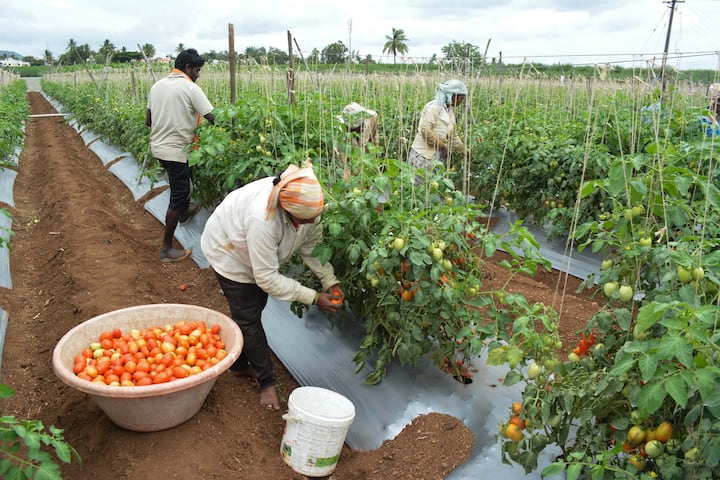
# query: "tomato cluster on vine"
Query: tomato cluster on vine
584,344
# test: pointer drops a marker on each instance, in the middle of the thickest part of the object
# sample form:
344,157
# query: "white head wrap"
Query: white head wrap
445,91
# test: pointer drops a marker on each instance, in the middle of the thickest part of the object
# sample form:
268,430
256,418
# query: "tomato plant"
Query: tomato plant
641,401
29,449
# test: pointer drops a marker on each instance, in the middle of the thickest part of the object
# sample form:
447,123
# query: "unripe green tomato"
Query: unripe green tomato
683,274
398,243
437,254
374,281
672,445
692,454
447,264
606,264
653,448
698,273
626,293
534,370
645,241
573,357
550,364
609,288
638,334
554,421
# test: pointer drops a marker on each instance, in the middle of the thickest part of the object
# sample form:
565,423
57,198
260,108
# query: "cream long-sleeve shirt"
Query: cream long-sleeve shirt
240,244
436,128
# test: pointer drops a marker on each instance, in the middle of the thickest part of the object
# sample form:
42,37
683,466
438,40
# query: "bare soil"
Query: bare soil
83,247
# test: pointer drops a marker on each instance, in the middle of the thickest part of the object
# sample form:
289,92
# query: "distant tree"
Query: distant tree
107,49
84,52
259,54
334,53
433,60
149,50
179,48
314,56
126,56
462,54
396,43
277,56
48,57
367,60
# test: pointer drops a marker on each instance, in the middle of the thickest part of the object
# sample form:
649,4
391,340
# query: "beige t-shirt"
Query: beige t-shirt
175,103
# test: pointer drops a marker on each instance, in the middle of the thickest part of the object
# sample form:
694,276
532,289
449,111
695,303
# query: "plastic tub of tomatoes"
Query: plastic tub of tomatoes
149,367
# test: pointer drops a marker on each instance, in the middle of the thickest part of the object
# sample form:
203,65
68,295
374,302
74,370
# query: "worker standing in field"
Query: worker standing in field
254,231
437,136
176,105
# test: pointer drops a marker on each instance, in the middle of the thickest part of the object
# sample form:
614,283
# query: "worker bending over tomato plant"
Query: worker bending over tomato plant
252,233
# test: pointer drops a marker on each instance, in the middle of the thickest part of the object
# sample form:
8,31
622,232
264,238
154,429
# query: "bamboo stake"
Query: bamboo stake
233,62
147,62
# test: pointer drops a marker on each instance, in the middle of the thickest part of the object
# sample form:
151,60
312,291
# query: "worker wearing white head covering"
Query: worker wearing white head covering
714,94
437,135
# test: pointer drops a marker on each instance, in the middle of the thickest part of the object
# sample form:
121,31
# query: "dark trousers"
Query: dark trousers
247,301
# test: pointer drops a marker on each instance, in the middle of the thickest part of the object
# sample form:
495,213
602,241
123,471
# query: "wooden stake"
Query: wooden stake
291,72
231,58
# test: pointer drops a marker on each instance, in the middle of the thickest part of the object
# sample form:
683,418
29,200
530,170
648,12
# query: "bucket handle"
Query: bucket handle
290,418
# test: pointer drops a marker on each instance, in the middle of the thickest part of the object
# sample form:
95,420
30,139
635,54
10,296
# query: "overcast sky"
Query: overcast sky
630,33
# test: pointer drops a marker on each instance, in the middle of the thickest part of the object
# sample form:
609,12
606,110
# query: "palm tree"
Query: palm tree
149,50
396,43
107,49
180,48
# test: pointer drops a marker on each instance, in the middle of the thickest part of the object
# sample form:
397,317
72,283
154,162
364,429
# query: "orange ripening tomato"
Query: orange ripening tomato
338,293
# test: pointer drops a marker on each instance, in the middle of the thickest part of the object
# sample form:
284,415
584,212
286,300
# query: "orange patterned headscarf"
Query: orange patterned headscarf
298,192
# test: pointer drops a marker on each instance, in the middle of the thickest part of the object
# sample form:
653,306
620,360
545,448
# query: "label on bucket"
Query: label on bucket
310,461
327,462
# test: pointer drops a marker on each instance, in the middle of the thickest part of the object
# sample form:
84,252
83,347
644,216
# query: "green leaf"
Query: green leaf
62,450
648,365
650,314
512,378
574,471
6,391
623,318
673,345
705,381
497,356
650,398
677,389
589,187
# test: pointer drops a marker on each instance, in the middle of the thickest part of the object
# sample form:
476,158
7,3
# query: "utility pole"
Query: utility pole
667,43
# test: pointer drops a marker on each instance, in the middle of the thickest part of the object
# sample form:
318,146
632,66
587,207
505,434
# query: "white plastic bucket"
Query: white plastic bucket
316,424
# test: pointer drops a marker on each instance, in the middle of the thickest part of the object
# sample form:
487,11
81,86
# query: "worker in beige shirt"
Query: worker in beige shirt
437,136
175,107
254,231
